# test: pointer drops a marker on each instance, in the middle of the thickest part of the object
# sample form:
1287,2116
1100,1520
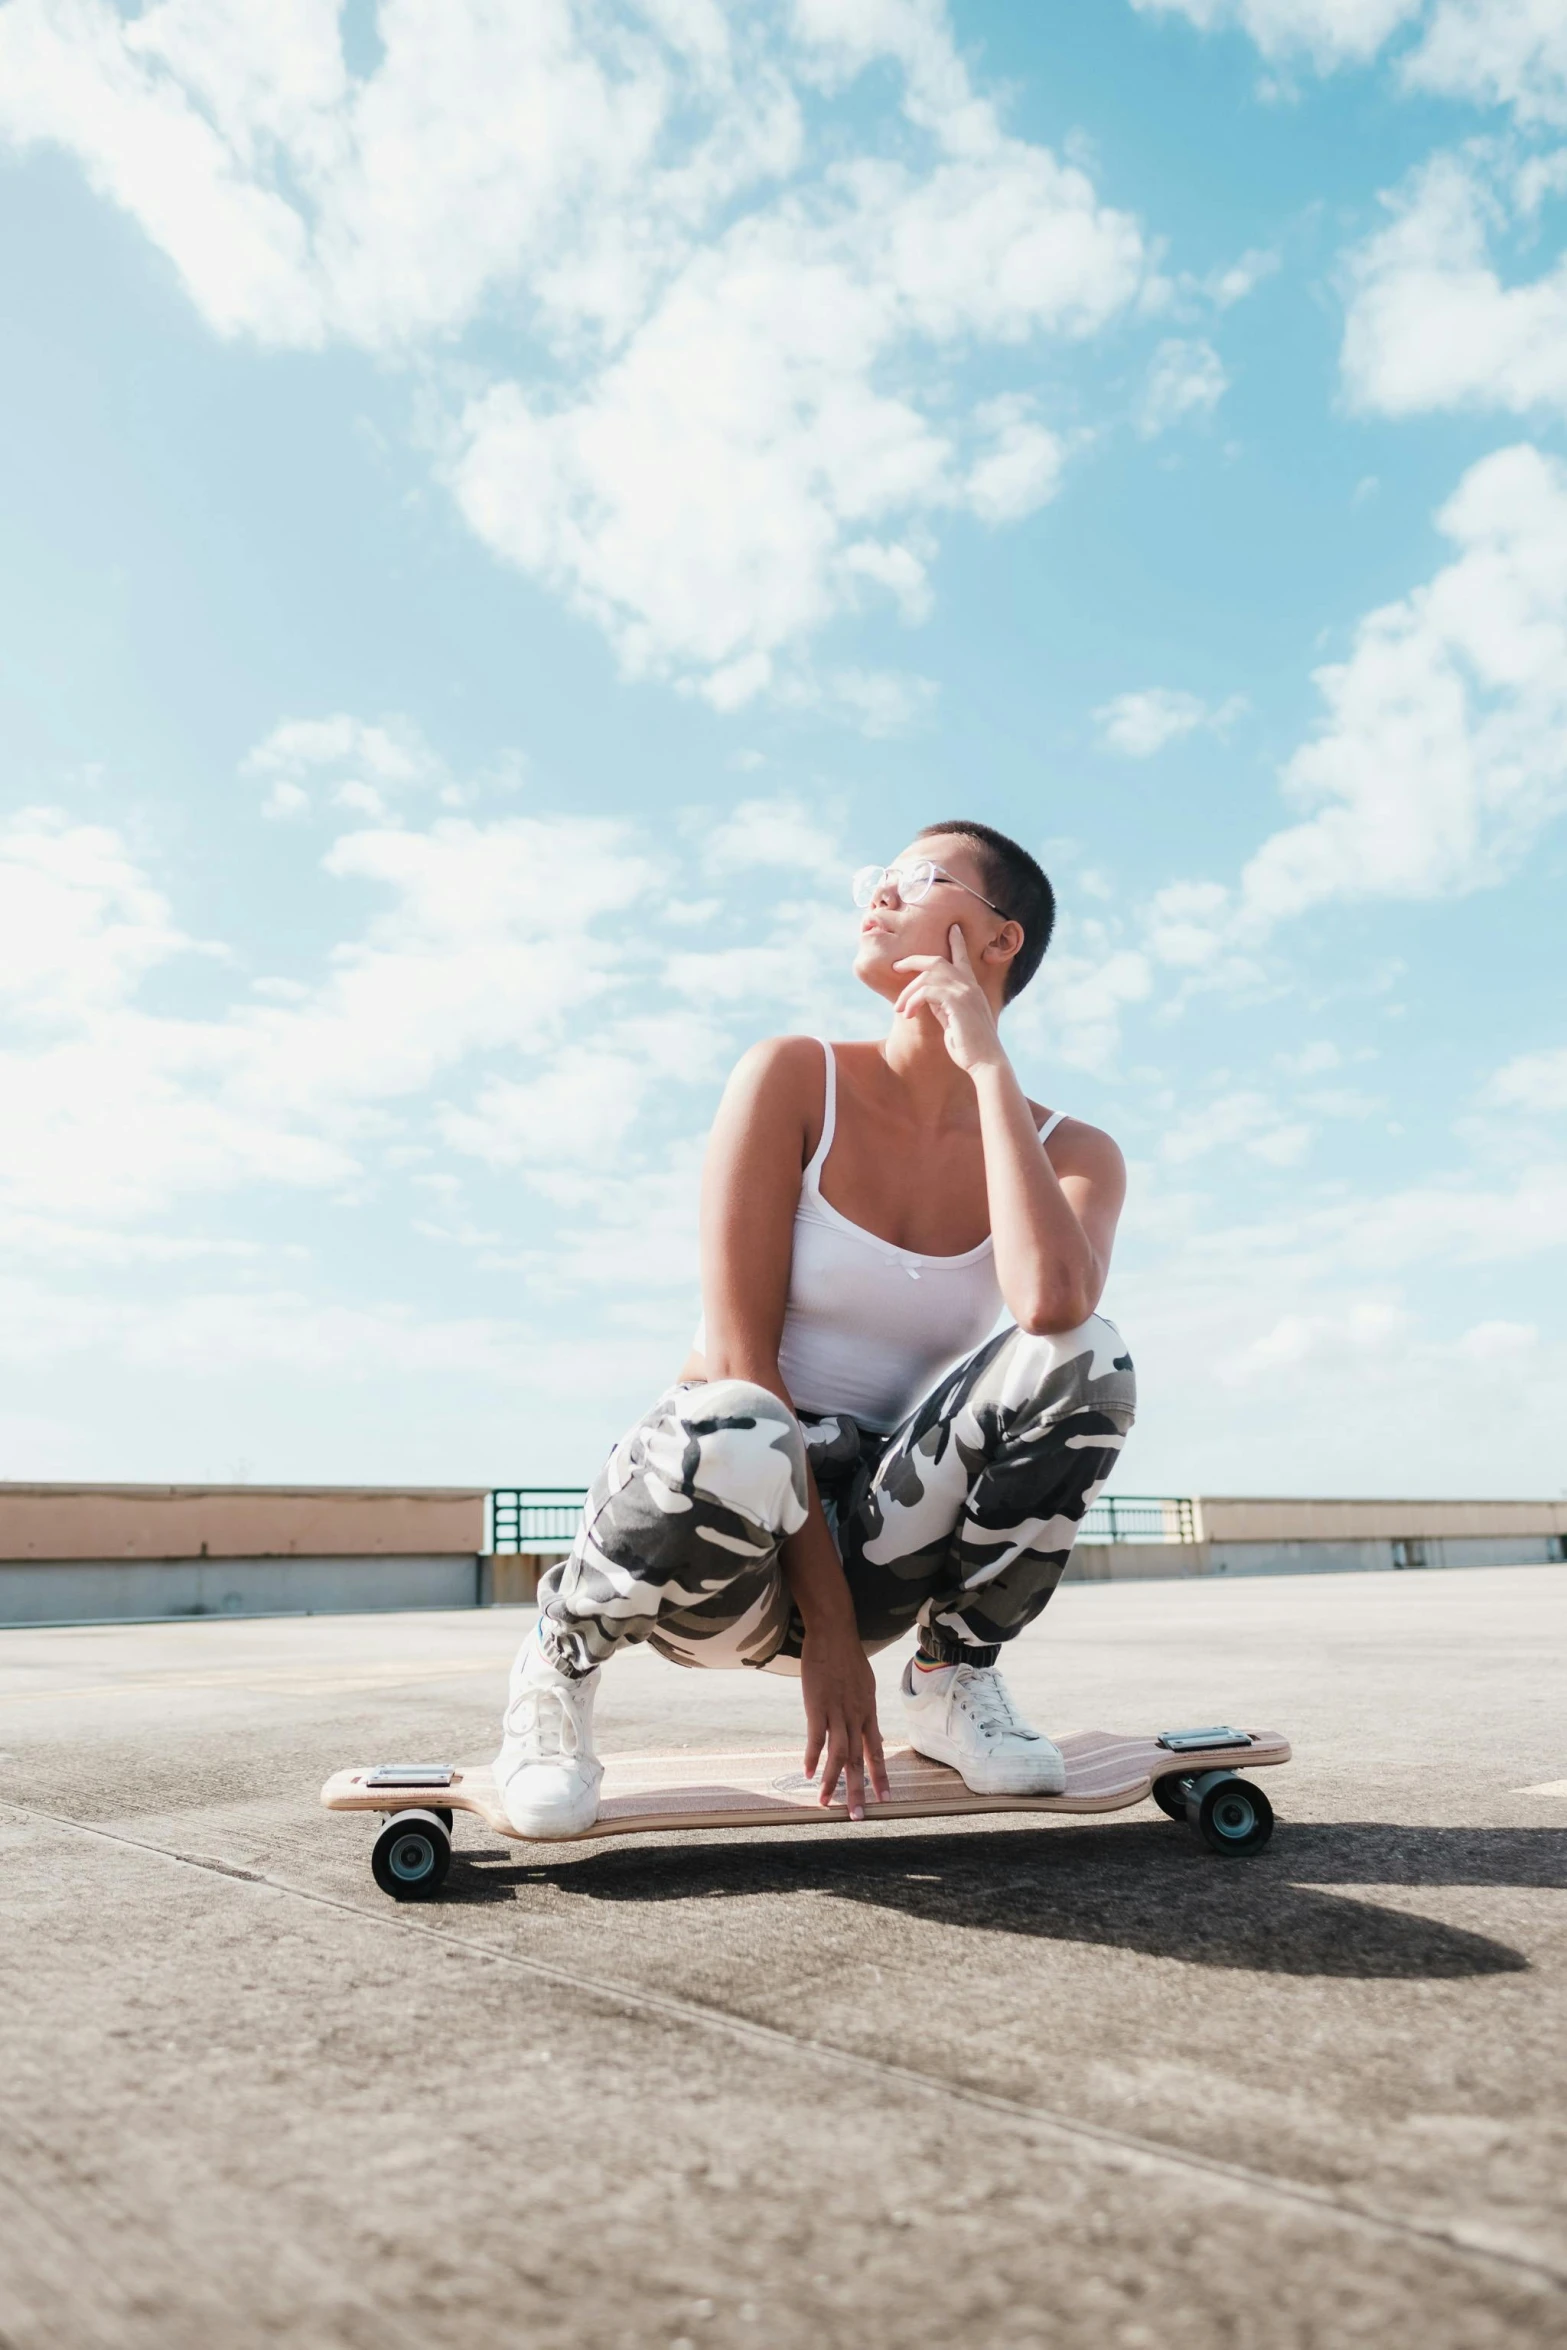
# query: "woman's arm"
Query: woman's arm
1053,1232
1053,1228
750,1190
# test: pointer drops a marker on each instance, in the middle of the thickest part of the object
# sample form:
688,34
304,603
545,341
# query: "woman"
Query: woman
853,1450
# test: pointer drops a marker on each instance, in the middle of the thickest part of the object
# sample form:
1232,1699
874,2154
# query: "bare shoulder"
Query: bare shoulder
779,1081
780,1064
1076,1148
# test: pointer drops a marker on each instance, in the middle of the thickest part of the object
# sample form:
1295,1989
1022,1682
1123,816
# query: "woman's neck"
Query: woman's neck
938,1092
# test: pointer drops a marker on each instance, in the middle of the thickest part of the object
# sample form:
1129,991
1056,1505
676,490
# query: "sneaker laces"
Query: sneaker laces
545,1721
986,1699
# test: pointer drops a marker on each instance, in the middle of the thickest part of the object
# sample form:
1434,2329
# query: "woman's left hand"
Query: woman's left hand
951,993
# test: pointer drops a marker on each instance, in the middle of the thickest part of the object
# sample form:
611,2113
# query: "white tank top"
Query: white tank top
869,1328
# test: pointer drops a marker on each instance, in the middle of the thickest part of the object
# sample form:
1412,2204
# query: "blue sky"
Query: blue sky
502,509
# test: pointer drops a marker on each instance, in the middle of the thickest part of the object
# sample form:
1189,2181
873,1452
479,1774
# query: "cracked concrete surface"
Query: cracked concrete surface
1043,2083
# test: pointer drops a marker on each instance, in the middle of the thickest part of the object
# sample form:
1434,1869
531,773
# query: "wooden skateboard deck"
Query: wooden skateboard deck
652,1793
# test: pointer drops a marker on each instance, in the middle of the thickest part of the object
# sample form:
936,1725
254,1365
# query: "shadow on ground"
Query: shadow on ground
1146,1888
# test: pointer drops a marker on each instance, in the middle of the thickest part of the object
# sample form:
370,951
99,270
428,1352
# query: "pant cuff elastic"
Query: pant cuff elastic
941,1648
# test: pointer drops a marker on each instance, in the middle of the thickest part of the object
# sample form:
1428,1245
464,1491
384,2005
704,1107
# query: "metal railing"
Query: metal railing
534,1517
1139,1517
544,1517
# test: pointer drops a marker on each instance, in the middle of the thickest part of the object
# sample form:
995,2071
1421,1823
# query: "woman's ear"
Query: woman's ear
1006,943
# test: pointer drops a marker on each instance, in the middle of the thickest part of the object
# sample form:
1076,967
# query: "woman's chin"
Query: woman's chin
875,971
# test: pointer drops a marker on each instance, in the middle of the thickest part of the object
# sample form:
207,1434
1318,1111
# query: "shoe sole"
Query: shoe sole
535,1832
552,1827
937,1749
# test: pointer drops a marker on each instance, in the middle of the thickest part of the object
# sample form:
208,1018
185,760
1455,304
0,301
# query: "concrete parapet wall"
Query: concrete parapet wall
1139,1562
1242,1518
511,1578
122,1522
1136,1562
114,1591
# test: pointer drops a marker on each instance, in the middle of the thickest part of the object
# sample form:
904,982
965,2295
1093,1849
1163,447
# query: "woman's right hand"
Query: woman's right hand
840,1716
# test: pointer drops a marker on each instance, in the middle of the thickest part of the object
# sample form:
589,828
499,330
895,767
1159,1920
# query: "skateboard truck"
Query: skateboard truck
1229,1814
1199,1741
414,1850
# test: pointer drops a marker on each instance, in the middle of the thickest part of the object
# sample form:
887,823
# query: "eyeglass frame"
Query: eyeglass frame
937,873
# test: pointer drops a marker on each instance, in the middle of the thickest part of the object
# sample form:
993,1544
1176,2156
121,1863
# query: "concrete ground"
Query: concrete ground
1037,2084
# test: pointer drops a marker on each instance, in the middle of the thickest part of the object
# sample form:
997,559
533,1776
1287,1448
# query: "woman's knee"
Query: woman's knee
744,1450
1072,1368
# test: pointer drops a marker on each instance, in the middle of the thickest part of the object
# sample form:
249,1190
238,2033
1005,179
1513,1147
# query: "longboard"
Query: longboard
652,1794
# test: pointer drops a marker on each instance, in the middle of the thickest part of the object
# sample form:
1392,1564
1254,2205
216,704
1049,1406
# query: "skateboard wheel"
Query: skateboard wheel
1170,1795
412,1855
1232,1817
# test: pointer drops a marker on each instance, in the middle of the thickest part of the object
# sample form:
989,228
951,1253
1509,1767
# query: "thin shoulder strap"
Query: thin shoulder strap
1050,1125
829,1117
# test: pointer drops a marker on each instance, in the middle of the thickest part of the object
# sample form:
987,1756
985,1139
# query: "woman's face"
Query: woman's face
891,929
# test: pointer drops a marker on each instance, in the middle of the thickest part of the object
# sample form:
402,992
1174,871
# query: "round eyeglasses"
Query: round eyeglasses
913,883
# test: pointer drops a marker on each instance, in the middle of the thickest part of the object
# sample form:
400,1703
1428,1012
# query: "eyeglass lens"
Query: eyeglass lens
912,882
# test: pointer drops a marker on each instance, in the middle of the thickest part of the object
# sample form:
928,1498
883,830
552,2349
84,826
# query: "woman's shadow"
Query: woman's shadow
1141,1885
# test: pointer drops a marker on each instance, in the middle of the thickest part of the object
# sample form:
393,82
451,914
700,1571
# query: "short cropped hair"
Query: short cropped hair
1017,884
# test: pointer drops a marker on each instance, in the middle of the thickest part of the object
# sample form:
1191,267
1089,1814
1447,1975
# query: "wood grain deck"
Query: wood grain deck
648,1793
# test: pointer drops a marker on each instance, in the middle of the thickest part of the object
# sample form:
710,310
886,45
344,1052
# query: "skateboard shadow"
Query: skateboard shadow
1145,1886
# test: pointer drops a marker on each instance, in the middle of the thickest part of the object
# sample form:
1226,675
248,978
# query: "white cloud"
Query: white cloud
1492,52
489,941
516,999
782,832
631,1236
1500,1342
1186,923
1498,52
578,1111
489,147
1301,1342
1446,742
736,476
80,924
1313,1059
218,1331
1021,470
730,431
1243,1120
1327,32
1140,724
880,702
394,754
1531,1082
1072,1010
1296,1339
1430,324
1444,748
284,801
1242,278
517,1006
1186,378
1536,178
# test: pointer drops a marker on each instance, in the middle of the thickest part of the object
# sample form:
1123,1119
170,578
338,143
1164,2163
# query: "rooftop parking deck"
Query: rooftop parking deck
1054,2083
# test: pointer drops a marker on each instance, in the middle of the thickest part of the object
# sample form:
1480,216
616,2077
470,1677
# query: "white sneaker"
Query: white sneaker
963,1715
547,1774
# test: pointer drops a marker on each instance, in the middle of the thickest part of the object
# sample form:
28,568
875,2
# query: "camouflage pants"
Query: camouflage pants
961,1521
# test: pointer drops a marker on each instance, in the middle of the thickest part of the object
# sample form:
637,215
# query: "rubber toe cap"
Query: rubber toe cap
546,1803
